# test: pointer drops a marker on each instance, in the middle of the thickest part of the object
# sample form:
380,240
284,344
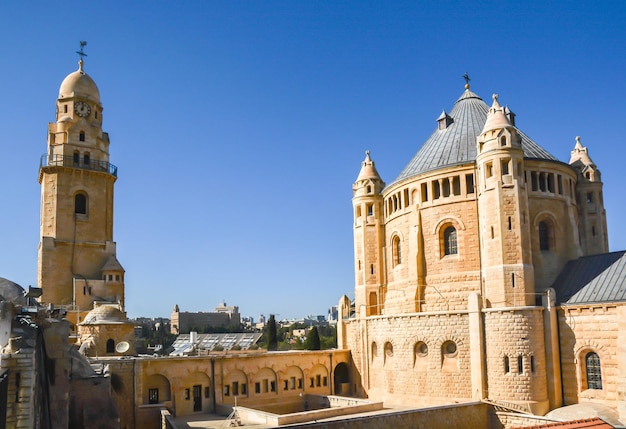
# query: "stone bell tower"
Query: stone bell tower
77,264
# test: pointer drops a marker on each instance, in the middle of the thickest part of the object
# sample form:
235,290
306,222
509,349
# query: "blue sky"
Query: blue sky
239,127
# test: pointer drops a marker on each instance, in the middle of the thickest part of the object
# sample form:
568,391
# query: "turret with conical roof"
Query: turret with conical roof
592,215
502,205
367,202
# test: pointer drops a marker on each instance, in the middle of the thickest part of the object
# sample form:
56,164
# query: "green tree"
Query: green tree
312,340
272,342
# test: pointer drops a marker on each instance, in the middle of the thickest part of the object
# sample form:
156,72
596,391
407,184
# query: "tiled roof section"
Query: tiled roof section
456,143
591,279
112,265
594,423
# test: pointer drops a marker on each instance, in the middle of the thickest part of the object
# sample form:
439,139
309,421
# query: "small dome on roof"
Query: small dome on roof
104,314
79,84
11,292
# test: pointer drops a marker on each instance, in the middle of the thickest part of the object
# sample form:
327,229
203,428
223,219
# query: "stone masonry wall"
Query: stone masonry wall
395,372
590,329
516,334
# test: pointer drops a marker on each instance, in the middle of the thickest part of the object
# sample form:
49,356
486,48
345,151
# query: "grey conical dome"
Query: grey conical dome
455,144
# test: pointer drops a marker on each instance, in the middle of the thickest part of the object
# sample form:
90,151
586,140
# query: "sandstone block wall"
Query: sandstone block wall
395,372
175,378
591,329
516,362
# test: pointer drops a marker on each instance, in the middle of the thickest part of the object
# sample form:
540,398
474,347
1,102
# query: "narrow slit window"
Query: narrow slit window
544,236
469,183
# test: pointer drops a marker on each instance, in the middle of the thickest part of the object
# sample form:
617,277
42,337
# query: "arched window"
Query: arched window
388,351
86,158
80,204
397,251
449,241
544,236
421,349
593,371
449,349
449,357
110,346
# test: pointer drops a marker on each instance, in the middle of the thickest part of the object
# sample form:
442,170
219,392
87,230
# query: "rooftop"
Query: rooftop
454,142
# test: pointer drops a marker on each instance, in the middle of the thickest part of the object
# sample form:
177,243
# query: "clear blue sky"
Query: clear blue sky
239,127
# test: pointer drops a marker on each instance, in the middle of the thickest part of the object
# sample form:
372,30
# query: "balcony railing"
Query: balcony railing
82,163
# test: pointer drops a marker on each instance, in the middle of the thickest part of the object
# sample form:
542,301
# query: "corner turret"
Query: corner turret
367,202
592,226
503,205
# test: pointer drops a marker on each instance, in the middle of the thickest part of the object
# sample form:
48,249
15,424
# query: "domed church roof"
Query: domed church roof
11,292
454,142
79,84
105,314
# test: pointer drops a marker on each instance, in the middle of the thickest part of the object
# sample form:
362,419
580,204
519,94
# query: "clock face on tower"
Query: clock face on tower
82,109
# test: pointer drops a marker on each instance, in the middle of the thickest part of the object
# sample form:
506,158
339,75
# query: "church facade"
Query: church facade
481,273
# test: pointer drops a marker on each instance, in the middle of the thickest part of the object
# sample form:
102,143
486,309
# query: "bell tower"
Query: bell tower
369,240
77,263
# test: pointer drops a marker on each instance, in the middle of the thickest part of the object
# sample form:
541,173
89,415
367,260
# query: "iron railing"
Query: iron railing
55,160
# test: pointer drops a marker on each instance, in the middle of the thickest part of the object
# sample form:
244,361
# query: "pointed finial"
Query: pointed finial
367,155
467,80
82,54
578,144
496,104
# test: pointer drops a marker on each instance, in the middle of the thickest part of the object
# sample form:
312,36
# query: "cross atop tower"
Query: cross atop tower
467,80
82,54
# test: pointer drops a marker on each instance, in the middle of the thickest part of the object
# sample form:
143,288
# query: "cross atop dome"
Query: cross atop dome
467,80
81,54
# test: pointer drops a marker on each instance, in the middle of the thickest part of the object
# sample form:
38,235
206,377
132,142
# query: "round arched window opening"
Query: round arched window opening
374,350
449,349
388,349
421,349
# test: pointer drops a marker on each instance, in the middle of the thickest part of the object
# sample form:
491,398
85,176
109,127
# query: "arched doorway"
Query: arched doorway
341,380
